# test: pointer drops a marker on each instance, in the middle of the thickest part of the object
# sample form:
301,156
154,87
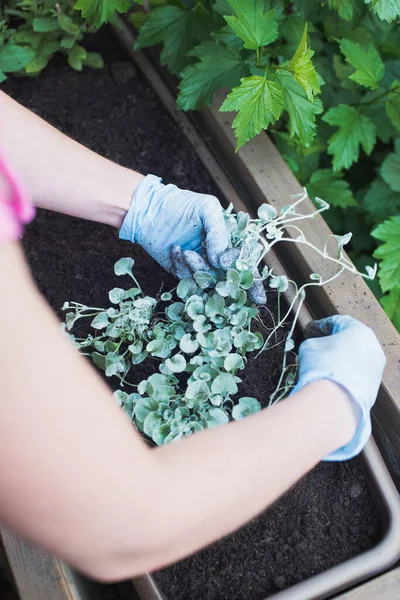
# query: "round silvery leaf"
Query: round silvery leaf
315,276
279,282
136,348
342,240
289,345
371,271
247,406
216,417
242,221
200,324
120,397
124,266
267,213
158,348
194,309
233,362
176,363
100,346
246,279
166,296
139,358
100,321
198,390
160,434
174,311
215,305
152,420
224,384
188,345
117,295
203,279
222,289
145,406
186,287
216,400
144,303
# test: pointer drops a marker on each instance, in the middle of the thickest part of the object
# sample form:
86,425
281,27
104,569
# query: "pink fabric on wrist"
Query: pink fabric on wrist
16,209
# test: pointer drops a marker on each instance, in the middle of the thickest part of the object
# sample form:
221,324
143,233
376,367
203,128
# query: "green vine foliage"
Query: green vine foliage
323,77
202,332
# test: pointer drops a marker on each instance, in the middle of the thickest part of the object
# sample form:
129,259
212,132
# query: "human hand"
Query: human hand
349,354
167,221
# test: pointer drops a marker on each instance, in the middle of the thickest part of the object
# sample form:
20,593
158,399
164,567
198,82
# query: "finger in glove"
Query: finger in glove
257,293
318,328
181,270
196,262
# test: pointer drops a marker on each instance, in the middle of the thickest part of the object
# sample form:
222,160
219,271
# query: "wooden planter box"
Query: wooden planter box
257,173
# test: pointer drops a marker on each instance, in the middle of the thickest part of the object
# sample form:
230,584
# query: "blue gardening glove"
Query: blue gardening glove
350,355
167,221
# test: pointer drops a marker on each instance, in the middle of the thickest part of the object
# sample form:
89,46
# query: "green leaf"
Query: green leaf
302,68
391,304
267,213
302,112
355,130
387,10
67,24
344,8
203,279
214,306
158,348
254,26
100,11
247,406
45,24
389,253
279,282
177,30
224,384
124,266
93,60
76,56
219,66
198,391
368,65
151,421
3,76
216,417
380,201
143,407
330,186
99,360
14,58
393,103
176,363
390,171
259,101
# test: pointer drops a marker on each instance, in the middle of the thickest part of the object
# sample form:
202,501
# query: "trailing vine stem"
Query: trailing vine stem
205,334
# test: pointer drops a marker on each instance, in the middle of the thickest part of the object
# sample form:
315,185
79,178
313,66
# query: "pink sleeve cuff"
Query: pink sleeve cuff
16,209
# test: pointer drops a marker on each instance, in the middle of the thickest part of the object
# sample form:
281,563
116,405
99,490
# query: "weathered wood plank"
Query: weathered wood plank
385,587
263,175
38,576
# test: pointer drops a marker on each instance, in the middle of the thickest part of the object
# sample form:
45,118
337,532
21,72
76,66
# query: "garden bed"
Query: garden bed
329,516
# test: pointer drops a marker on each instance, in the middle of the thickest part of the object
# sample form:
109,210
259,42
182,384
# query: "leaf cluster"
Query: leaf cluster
200,333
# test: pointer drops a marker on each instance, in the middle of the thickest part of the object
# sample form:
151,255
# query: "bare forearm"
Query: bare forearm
101,499
61,174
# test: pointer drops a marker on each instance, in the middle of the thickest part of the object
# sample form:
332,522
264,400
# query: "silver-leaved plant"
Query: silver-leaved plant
204,335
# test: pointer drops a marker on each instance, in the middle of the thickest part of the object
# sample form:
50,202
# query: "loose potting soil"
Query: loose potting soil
328,516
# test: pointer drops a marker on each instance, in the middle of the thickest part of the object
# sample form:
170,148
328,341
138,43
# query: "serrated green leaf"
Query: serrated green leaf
387,10
390,171
393,103
219,66
259,101
302,112
368,65
101,11
355,130
177,30
380,201
14,58
391,304
302,68
388,232
68,25
252,24
330,186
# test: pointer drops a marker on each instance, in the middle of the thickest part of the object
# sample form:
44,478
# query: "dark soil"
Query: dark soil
329,516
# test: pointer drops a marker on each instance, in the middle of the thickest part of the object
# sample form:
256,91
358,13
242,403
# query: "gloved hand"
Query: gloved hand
167,221
351,356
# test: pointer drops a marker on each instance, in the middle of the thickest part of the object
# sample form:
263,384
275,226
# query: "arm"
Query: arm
61,174
78,480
